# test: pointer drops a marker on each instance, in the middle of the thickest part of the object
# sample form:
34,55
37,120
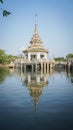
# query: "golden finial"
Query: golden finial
35,18
35,23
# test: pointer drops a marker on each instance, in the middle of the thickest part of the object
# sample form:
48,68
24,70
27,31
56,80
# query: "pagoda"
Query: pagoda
36,49
35,55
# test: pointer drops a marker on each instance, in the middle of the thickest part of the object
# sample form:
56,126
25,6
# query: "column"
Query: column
29,56
44,67
35,67
51,65
25,67
47,67
32,68
41,67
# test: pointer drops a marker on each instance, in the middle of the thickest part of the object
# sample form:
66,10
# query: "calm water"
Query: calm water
36,101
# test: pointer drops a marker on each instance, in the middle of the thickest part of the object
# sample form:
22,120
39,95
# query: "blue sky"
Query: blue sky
55,25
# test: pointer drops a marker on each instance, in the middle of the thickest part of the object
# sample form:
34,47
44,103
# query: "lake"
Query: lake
36,101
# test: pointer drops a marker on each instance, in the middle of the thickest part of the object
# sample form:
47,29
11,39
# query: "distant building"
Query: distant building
70,60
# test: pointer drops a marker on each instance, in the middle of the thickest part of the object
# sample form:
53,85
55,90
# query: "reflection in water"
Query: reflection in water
55,109
70,76
67,73
35,82
4,72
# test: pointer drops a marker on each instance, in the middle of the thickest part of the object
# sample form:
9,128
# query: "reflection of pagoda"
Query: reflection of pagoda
35,92
35,84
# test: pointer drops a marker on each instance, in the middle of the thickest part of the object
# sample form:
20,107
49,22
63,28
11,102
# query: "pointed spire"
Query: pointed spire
35,18
35,31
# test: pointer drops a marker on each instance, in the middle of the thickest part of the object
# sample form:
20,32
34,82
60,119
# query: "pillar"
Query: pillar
29,57
32,68
44,67
25,67
47,68
51,66
35,67
41,67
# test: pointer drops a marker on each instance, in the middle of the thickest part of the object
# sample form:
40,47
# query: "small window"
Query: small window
26,56
41,56
33,57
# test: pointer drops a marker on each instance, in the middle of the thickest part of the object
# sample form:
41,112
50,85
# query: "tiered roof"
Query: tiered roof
36,44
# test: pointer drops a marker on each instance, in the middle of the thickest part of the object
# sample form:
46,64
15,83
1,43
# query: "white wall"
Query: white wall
37,55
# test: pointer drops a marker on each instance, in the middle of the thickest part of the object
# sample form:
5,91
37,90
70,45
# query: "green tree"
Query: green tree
59,59
5,12
11,58
69,56
3,57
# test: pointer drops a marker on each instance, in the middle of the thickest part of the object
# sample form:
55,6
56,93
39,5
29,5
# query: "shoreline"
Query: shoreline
2,65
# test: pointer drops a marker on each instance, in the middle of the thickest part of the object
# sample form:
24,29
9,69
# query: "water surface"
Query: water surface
36,101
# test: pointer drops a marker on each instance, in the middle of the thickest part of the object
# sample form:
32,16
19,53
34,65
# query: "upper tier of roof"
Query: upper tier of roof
36,44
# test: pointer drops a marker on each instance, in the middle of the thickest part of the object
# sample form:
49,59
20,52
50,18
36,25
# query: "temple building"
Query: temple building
36,50
35,55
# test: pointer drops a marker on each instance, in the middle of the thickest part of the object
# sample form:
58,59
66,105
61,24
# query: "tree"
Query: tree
59,59
12,58
69,56
5,12
3,57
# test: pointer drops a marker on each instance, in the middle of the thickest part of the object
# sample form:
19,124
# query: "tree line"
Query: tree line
68,56
5,58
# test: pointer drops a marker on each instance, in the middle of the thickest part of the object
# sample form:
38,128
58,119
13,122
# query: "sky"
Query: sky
54,20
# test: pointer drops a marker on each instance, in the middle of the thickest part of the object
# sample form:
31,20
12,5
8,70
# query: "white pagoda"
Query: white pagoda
36,50
36,56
